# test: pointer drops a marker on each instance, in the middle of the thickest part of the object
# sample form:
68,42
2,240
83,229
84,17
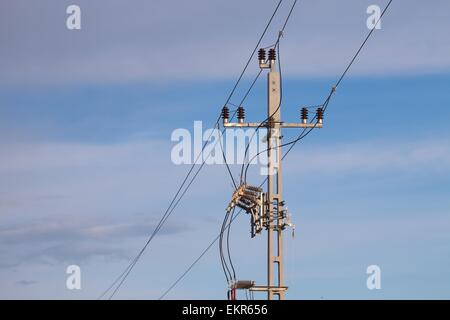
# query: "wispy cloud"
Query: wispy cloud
83,201
188,43
25,282
362,157
50,155
50,231
376,156
73,241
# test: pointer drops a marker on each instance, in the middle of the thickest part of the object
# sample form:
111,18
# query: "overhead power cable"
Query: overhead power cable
305,132
198,258
228,268
292,144
120,280
277,47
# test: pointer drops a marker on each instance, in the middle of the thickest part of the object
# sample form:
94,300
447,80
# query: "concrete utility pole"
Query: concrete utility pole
267,209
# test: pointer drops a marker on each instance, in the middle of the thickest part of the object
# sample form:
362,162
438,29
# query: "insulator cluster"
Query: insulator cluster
272,54
241,113
262,55
225,113
304,115
254,189
250,199
319,114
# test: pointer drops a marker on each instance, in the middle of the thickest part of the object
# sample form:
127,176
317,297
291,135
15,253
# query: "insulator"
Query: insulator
244,205
257,189
254,194
250,198
225,113
272,54
304,114
262,55
240,113
246,201
319,114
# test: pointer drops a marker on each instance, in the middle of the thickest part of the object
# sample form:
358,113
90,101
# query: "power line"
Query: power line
363,44
240,78
277,47
292,144
333,89
306,131
253,52
203,253
168,211
229,271
198,259
228,244
225,268
198,171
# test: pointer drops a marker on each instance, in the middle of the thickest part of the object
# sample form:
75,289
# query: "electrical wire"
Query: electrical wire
172,206
199,169
226,269
292,144
267,119
198,259
333,89
224,156
277,47
305,132
204,251
253,52
230,272
181,277
228,245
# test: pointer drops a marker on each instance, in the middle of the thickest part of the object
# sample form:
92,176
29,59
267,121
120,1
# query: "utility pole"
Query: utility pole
267,208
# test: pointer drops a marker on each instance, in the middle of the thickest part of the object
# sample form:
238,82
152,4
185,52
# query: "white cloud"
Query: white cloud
62,202
374,156
106,187
150,41
53,155
53,230
53,240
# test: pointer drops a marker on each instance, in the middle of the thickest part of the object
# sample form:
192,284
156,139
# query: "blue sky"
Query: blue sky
85,169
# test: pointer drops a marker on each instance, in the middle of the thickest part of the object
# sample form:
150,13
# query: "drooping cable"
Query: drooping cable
277,47
173,204
228,245
292,143
203,253
305,132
